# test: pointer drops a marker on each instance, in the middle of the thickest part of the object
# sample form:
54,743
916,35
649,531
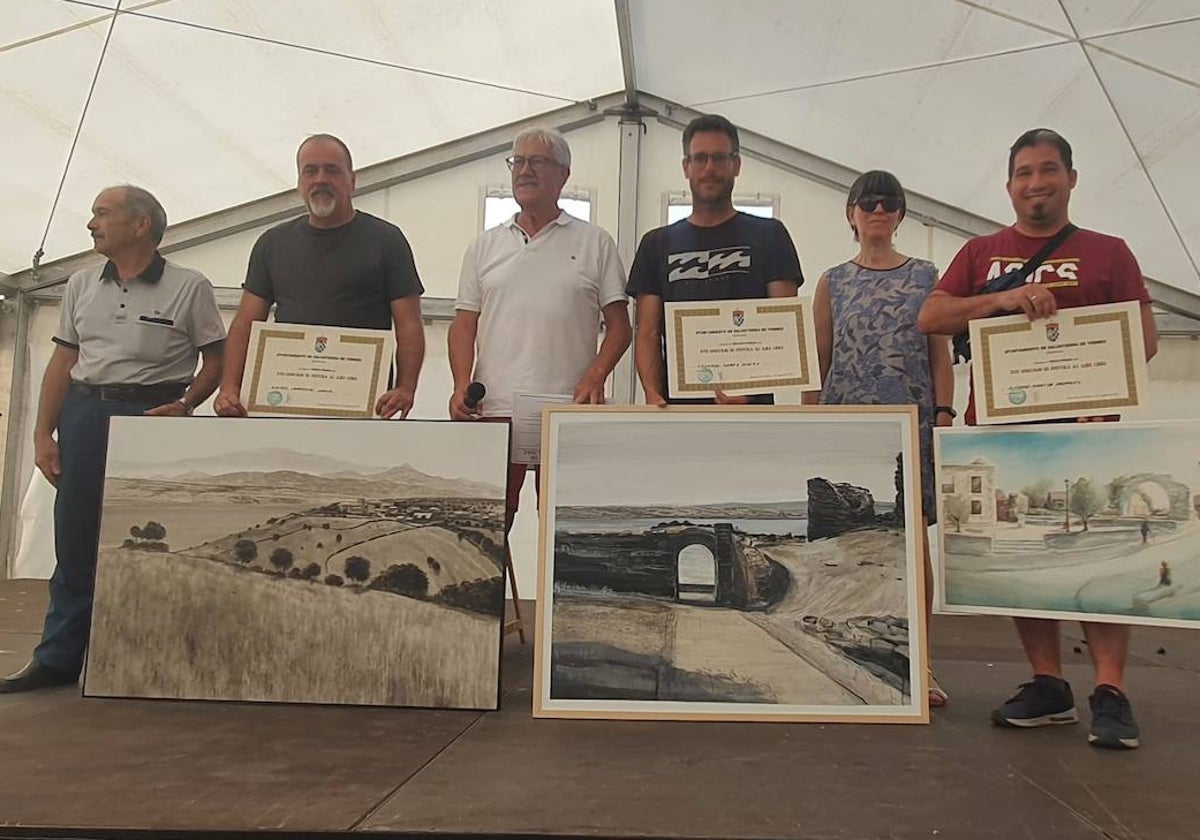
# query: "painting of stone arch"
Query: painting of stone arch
714,563
1098,520
303,561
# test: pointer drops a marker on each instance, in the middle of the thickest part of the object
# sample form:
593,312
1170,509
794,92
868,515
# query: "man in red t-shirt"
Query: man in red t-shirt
1087,268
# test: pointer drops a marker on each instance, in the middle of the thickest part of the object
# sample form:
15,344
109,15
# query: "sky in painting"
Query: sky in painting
1099,451
636,459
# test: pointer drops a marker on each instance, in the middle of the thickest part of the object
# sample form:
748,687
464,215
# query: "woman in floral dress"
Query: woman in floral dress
870,350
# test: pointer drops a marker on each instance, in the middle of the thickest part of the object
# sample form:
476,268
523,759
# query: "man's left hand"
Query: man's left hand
943,419
172,409
725,399
399,399
589,391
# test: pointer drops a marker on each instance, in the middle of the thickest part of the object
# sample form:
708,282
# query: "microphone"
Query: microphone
474,395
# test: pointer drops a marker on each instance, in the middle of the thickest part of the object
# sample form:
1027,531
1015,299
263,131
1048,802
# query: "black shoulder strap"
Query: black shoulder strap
1047,249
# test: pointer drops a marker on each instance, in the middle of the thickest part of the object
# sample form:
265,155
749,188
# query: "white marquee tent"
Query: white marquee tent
204,101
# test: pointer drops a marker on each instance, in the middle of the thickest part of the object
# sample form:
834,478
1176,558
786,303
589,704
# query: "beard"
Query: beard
321,205
713,192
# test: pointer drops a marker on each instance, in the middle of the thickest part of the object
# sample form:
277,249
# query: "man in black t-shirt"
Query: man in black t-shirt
716,253
335,267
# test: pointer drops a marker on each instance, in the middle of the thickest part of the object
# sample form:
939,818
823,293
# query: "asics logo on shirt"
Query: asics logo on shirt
1062,272
703,265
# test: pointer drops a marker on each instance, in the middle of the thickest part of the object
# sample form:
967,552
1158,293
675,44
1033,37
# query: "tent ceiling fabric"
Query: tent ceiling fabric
937,90
204,100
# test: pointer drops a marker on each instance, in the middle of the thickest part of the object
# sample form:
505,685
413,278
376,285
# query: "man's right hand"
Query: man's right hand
458,406
655,398
229,403
45,455
1035,300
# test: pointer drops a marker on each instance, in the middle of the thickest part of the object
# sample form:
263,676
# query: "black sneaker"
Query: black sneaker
1044,701
1113,725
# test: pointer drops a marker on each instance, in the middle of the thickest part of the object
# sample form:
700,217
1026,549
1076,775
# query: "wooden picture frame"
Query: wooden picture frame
291,560
673,582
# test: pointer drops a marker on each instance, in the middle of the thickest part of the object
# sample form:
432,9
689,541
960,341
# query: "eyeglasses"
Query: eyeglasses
718,159
536,162
890,203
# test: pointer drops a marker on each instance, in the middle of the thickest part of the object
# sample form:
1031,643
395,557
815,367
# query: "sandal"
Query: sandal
937,695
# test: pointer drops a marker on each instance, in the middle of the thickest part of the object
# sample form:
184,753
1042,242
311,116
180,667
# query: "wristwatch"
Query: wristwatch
187,408
944,409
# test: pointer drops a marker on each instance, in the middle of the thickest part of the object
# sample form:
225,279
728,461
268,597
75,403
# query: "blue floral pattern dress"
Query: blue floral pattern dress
878,357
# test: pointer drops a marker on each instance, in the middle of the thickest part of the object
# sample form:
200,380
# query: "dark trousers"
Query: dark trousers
82,441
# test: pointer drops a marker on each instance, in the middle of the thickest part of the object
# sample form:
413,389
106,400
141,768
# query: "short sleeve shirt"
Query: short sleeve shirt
146,331
346,276
540,302
730,261
1088,268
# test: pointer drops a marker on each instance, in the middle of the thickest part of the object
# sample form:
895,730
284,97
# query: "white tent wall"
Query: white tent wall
441,214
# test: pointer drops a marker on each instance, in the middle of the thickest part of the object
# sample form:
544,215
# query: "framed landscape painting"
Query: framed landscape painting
1093,521
714,563
302,561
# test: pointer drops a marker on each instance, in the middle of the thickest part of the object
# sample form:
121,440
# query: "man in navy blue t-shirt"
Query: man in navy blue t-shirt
716,253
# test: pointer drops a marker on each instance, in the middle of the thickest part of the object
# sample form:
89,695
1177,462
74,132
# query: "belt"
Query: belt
162,393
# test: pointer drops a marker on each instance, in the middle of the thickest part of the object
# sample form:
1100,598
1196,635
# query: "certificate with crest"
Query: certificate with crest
302,370
1080,362
741,346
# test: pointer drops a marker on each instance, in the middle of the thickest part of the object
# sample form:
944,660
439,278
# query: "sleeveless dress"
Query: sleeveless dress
878,357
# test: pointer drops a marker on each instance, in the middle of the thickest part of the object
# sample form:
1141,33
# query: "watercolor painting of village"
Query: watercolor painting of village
1093,520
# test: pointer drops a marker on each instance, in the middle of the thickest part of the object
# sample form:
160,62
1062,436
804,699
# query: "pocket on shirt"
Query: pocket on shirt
153,336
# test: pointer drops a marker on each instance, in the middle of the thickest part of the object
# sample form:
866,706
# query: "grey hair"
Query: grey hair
141,202
554,140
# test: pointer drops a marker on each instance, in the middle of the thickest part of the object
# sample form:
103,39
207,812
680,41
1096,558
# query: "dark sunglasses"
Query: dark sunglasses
890,203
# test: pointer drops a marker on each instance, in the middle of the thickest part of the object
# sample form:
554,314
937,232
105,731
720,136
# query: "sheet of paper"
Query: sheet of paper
527,424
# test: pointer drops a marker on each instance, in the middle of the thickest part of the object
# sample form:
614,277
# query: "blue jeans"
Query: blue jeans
82,442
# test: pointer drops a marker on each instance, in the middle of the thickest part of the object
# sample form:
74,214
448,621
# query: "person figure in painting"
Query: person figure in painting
716,253
531,297
867,341
1145,531
129,335
335,266
1164,574
1086,268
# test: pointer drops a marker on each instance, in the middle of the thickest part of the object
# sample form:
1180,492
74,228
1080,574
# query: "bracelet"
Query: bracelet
944,409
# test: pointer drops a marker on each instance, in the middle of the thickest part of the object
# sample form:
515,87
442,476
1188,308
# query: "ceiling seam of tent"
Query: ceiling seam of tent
971,4
934,65
1144,66
112,25
358,58
83,24
1133,147
1142,28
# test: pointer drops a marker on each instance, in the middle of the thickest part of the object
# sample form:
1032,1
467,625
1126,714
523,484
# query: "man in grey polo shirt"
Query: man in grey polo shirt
128,339
337,267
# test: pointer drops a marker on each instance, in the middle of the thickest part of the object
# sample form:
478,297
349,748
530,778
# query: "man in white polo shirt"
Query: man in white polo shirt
531,297
129,334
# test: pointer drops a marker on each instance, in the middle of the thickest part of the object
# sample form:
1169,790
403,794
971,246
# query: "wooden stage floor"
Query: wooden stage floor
71,766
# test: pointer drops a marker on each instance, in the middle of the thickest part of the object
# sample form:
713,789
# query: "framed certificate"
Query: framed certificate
741,346
1083,361
309,371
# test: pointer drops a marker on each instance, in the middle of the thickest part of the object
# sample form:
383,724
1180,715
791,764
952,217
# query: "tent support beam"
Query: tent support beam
10,494
380,176
625,40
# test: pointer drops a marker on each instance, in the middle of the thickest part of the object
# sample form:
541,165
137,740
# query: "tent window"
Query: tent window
499,204
678,205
